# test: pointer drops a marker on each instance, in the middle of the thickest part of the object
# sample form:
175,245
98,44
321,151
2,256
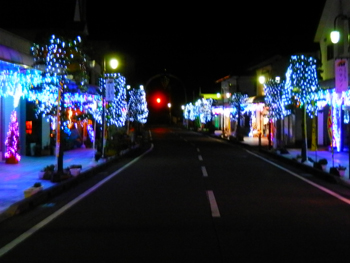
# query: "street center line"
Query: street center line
204,171
200,157
213,205
345,200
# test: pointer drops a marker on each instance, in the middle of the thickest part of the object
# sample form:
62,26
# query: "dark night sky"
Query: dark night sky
197,43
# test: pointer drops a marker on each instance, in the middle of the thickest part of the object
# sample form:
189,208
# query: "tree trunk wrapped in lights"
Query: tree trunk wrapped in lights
65,73
302,84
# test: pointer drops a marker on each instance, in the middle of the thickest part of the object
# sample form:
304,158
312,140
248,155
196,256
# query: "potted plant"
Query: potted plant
33,190
323,162
74,169
47,172
341,169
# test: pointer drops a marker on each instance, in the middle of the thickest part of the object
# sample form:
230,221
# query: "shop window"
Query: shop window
29,127
330,52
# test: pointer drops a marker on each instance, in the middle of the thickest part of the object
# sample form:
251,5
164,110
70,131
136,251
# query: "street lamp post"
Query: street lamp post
262,81
341,68
128,87
169,106
335,34
219,96
109,84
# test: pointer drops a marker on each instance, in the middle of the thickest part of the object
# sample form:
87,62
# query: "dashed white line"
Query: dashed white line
204,171
213,205
200,157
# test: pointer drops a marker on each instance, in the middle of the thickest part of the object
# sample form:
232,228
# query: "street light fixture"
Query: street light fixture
335,34
113,63
262,79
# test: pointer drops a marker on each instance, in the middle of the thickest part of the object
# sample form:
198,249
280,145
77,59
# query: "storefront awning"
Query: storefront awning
90,89
11,55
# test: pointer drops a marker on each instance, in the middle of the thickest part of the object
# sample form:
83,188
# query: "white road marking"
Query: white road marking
345,200
213,205
47,220
204,171
198,150
200,157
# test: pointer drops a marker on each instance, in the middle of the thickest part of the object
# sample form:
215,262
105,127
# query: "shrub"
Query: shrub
323,161
37,185
340,167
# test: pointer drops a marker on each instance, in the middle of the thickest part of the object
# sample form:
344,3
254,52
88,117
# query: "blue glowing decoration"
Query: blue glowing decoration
116,110
63,62
189,112
91,132
302,83
203,110
274,100
237,102
15,81
137,106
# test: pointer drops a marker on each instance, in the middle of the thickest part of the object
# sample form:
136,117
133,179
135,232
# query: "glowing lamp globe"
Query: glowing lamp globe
335,36
113,63
262,79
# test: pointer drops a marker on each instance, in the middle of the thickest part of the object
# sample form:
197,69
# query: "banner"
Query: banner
109,90
341,75
330,126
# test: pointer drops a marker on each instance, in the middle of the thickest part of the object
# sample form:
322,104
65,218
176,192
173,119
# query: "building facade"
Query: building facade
335,16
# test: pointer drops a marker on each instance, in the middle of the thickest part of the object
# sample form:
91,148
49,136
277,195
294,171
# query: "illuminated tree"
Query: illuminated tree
274,99
64,66
204,110
12,141
189,112
137,106
237,100
116,109
302,86
274,102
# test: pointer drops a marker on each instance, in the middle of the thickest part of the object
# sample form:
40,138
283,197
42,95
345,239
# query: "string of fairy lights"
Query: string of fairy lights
64,62
299,89
137,106
62,65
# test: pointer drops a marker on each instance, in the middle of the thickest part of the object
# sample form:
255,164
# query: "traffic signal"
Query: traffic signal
157,100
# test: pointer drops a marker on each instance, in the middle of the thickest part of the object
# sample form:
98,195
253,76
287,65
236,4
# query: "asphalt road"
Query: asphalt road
190,198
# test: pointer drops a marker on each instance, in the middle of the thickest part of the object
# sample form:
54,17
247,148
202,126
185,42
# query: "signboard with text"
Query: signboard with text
341,75
109,90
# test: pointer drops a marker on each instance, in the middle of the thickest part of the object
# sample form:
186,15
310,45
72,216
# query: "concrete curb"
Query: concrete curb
309,169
